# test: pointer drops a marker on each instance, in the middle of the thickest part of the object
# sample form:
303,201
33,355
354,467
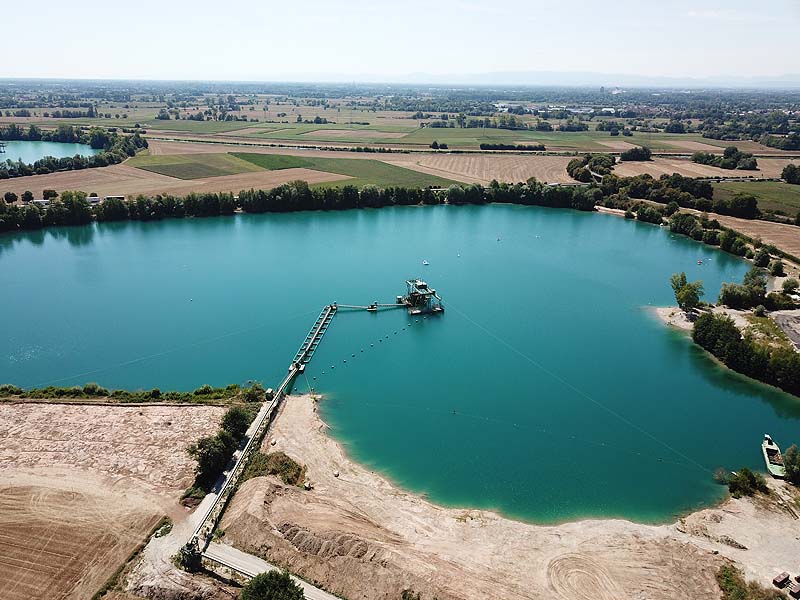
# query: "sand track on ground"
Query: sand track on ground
82,485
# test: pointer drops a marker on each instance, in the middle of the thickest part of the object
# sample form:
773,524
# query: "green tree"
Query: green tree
212,454
791,174
746,483
761,258
236,421
776,268
687,295
790,285
10,197
255,393
272,585
791,462
27,196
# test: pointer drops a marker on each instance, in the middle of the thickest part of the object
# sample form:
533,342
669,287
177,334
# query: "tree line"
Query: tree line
776,366
73,208
522,147
732,158
213,453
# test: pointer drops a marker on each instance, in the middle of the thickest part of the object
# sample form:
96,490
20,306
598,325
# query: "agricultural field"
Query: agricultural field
772,195
193,166
359,171
83,486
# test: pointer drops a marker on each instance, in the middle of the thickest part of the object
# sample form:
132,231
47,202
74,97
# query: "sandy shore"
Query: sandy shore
359,536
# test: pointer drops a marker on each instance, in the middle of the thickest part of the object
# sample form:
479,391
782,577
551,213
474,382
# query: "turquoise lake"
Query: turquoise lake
30,152
547,390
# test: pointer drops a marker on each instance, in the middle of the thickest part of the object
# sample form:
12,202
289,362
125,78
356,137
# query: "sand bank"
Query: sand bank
359,536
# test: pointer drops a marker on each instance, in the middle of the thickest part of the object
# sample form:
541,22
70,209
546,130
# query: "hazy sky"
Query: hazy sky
318,39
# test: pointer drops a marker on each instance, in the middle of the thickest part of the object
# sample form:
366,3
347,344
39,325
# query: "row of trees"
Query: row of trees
523,147
777,366
732,158
684,192
789,142
63,133
213,453
73,208
637,153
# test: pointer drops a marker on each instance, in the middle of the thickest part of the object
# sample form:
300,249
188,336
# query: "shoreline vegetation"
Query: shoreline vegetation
737,330
665,197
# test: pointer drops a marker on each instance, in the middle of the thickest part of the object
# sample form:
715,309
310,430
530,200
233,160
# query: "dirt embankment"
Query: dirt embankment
357,527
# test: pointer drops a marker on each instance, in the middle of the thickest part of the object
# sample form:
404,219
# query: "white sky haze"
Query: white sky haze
263,40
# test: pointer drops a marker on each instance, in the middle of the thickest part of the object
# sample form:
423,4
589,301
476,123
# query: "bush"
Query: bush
236,421
255,393
746,483
272,585
776,301
790,285
776,268
791,461
761,258
636,154
275,463
734,587
7,390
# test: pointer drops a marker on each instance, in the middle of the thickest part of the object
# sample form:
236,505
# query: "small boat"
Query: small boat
773,457
699,262
373,307
425,262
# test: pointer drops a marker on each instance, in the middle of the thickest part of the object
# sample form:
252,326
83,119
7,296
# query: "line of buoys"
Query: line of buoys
372,345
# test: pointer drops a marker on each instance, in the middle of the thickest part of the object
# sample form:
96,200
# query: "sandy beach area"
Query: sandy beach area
355,527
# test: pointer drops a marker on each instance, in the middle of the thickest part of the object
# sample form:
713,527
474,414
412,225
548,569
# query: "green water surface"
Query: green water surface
547,390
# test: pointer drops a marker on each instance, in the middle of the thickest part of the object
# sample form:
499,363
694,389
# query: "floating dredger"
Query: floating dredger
420,298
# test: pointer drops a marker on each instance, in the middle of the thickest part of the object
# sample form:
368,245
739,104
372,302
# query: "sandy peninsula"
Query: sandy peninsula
358,535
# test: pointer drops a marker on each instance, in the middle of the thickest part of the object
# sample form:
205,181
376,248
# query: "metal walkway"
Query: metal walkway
314,337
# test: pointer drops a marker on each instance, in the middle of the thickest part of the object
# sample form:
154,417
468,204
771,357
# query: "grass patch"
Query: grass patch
275,463
768,331
734,587
362,171
772,195
193,166
196,126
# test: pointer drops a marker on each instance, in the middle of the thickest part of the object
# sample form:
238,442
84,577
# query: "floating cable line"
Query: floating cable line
523,427
580,392
170,351
687,462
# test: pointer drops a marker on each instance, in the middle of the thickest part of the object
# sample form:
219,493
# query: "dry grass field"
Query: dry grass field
767,167
123,180
691,146
82,485
482,168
